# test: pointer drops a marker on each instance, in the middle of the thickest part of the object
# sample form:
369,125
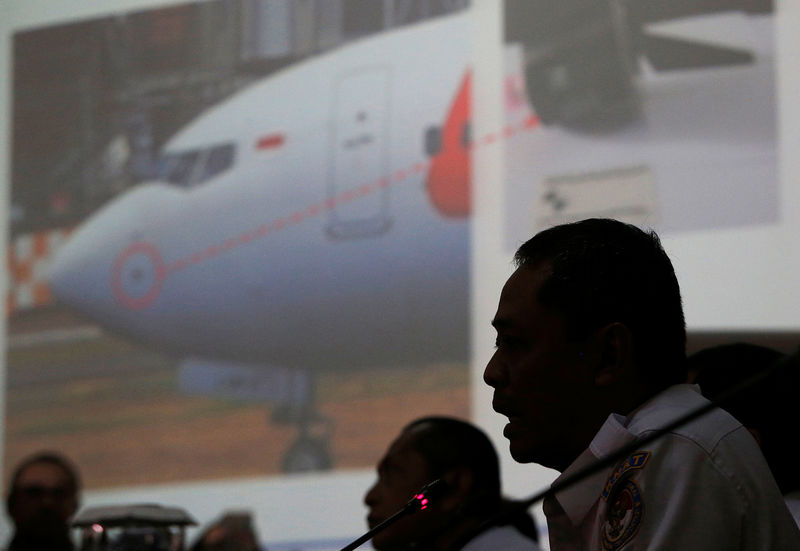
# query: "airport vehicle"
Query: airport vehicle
143,527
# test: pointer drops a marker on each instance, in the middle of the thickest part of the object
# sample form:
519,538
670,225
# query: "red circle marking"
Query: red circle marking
159,275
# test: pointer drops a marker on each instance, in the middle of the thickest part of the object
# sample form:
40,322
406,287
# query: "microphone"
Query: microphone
419,502
431,490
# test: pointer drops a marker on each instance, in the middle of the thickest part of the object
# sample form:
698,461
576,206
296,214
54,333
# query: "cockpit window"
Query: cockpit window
181,166
194,167
219,160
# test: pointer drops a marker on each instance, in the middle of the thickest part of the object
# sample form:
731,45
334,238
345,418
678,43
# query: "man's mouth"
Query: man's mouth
373,521
502,408
514,426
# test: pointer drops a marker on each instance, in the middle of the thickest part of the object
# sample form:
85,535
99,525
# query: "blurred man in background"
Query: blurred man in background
232,532
463,457
767,408
43,495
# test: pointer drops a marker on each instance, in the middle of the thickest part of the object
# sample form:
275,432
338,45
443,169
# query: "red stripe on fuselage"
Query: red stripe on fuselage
273,141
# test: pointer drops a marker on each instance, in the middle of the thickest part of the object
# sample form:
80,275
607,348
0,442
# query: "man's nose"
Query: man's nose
370,498
493,374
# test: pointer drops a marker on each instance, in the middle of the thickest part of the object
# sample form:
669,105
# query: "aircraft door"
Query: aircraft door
359,155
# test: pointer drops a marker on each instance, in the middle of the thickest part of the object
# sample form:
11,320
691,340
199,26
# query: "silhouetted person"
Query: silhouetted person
43,496
590,356
767,408
463,457
232,532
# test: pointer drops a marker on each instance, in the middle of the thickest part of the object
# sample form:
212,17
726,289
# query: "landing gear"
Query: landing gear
292,391
307,454
311,449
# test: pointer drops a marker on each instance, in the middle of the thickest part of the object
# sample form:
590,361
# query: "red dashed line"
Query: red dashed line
531,121
196,257
178,265
332,202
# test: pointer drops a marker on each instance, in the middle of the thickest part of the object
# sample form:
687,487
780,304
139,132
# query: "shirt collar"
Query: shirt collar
578,499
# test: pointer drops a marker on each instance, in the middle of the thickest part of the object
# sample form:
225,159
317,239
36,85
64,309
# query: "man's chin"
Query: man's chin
527,452
390,544
522,451
378,544
390,539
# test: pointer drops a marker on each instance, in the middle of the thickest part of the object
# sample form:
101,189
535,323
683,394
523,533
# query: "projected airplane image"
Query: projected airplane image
317,219
661,113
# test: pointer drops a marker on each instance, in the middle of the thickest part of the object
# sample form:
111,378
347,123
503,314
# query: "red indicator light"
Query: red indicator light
273,141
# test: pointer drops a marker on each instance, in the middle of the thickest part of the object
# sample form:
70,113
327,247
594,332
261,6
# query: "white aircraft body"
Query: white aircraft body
317,219
300,222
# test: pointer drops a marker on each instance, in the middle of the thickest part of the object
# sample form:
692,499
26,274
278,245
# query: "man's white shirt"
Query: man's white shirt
705,486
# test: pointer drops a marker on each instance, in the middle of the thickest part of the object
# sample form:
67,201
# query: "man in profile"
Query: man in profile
590,356
463,458
43,496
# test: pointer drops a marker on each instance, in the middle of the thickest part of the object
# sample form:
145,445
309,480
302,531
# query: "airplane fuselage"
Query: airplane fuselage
299,224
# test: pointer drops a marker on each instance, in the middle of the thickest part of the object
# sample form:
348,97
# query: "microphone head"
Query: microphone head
432,490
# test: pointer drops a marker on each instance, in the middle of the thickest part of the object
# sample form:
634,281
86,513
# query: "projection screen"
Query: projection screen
249,240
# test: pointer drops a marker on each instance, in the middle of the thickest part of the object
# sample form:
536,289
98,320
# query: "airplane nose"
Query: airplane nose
107,260
67,277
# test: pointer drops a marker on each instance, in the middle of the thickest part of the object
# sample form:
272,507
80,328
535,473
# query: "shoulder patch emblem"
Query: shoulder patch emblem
634,462
623,515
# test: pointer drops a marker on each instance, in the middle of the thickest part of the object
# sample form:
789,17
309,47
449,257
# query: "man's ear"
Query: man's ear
458,485
614,346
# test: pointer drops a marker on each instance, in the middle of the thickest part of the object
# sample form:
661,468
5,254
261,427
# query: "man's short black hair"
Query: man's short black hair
605,271
447,443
